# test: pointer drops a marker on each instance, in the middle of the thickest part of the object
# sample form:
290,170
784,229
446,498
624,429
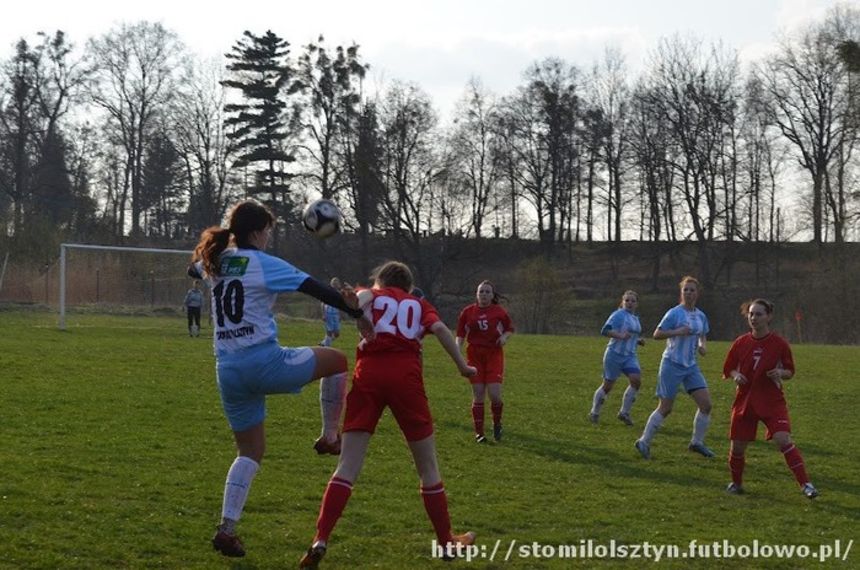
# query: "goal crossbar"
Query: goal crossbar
65,246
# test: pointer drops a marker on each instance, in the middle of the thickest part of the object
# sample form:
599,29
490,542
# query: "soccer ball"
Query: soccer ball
321,218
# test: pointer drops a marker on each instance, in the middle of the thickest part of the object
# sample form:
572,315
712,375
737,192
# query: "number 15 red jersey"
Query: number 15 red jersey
482,326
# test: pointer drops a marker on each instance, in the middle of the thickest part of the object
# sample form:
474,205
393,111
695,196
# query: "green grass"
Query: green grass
115,451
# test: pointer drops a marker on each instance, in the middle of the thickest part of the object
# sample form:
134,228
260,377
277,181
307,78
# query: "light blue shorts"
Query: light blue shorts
245,377
673,375
614,364
332,323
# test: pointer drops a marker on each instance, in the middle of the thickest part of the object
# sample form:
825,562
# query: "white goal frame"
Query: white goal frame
65,246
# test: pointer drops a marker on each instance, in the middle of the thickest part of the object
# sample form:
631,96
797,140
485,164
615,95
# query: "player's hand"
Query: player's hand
683,331
776,376
702,350
365,328
350,297
739,378
468,371
625,335
501,341
641,342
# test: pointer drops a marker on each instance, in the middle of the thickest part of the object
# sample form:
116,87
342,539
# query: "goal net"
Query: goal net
115,278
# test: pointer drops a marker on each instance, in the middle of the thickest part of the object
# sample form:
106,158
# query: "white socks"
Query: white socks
326,341
700,426
332,396
236,488
597,402
655,420
629,397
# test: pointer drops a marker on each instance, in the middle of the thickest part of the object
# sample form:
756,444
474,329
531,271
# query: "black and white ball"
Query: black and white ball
322,218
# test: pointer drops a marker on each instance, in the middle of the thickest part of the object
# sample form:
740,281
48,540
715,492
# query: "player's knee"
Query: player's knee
782,438
705,408
635,382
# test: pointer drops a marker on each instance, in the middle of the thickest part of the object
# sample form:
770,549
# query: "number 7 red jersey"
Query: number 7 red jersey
753,358
400,321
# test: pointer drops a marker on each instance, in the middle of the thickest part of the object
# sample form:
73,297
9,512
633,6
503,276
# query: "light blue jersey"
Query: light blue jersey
243,296
683,350
622,321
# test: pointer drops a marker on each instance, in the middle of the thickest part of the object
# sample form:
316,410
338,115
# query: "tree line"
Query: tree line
133,138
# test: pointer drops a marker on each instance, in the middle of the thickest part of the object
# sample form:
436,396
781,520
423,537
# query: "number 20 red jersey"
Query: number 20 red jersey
400,321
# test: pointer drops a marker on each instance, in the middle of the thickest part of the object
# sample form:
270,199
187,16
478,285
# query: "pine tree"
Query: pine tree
260,126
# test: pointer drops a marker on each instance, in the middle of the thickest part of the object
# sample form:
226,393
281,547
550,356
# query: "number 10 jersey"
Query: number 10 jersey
243,295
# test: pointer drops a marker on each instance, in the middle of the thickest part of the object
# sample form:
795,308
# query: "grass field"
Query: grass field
115,451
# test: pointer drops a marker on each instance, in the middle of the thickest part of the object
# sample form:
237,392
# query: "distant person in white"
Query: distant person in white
193,303
685,329
250,364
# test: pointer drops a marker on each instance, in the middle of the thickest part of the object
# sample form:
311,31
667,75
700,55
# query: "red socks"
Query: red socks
736,465
478,417
436,505
497,412
795,462
336,495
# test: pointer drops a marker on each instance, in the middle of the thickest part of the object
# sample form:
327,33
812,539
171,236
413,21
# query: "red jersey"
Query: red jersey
400,321
753,358
483,326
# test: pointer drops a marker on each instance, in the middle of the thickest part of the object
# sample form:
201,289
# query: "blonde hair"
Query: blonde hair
628,292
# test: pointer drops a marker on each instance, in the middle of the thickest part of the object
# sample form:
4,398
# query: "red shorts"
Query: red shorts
490,362
381,382
743,427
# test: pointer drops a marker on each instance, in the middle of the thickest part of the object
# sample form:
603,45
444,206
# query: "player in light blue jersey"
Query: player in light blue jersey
250,363
685,329
623,329
331,317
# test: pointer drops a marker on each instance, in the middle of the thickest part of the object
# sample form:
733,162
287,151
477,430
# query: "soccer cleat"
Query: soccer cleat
701,449
734,489
593,418
466,539
497,432
625,418
322,447
228,544
809,491
480,438
643,448
312,557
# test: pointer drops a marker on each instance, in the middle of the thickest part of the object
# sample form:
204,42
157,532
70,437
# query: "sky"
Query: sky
438,44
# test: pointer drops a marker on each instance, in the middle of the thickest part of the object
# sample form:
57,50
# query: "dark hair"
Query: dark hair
244,218
497,297
393,274
768,306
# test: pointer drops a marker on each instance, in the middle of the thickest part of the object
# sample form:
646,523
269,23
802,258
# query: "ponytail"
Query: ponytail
213,241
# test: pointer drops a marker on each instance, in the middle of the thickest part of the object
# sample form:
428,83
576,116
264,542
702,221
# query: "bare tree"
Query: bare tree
474,163
331,85
199,130
133,81
802,82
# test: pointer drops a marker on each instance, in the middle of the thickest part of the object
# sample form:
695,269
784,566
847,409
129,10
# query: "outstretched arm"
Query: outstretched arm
446,339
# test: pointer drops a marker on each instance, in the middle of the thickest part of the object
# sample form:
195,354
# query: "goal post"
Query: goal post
66,246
